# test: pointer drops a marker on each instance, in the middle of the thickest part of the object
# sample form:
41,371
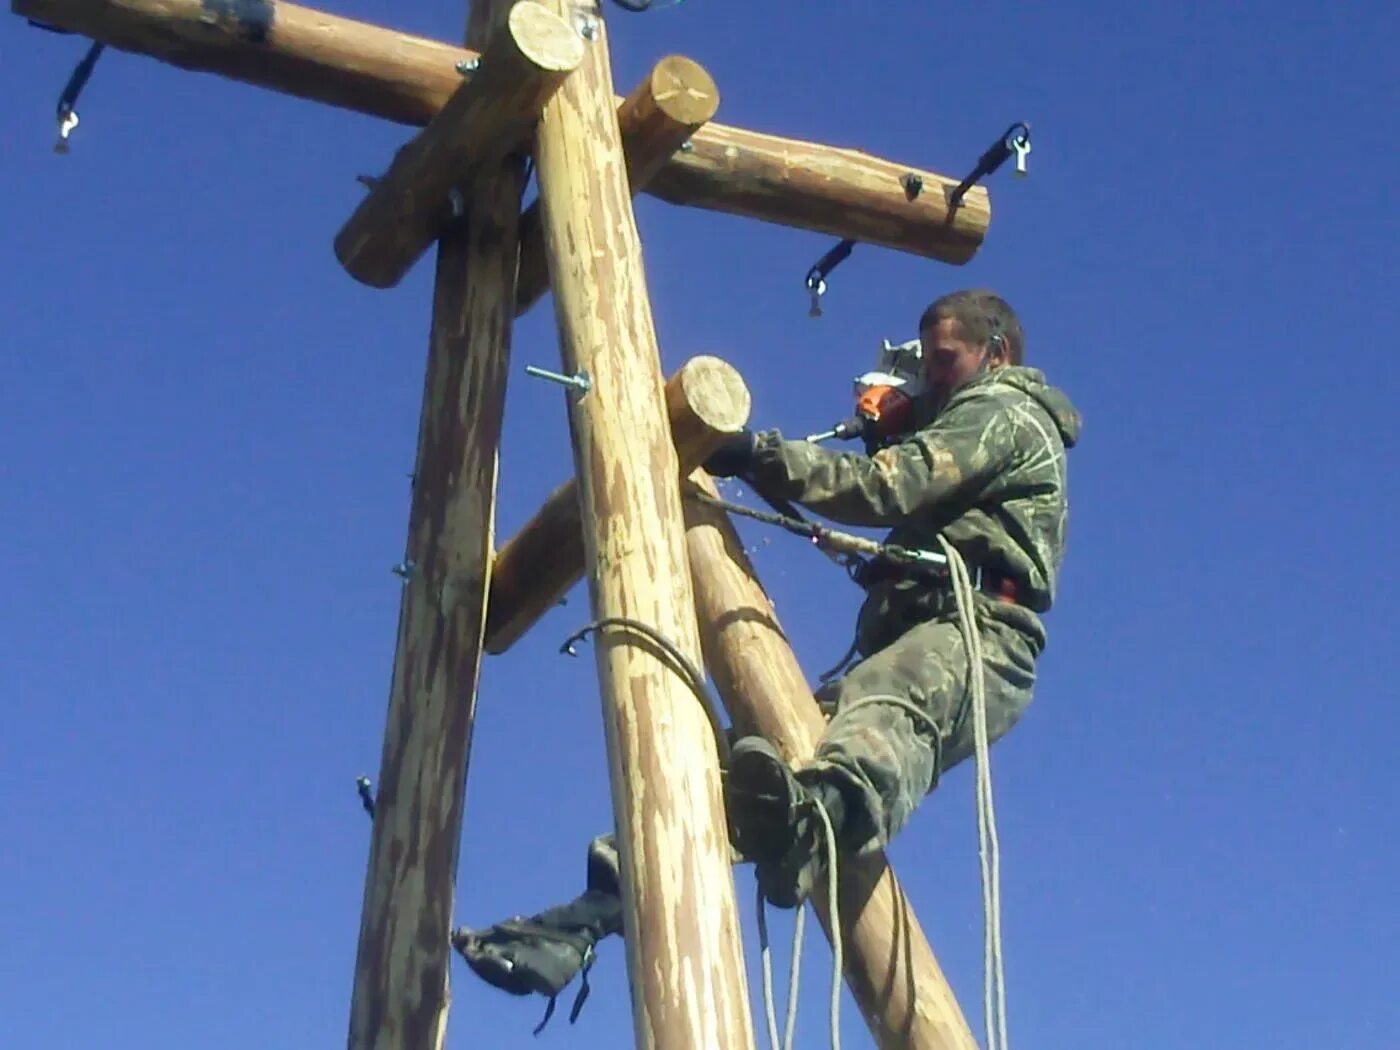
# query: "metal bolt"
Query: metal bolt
579,383
468,65
459,206
687,146
913,185
405,569
588,27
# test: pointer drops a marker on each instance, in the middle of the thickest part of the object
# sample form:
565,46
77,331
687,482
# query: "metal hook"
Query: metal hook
1016,139
67,122
816,276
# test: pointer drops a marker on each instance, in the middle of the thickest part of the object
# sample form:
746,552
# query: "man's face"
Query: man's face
950,360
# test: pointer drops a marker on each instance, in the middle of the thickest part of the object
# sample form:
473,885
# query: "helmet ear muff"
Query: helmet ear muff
997,345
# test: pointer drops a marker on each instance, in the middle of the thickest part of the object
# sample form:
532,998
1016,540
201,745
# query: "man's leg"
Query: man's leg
543,953
897,720
885,756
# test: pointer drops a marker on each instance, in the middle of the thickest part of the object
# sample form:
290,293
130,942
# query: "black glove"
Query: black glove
734,456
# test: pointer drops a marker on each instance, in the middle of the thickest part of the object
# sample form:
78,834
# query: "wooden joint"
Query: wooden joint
705,401
662,113
486,118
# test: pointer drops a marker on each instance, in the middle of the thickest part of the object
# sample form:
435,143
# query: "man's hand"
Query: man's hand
733,457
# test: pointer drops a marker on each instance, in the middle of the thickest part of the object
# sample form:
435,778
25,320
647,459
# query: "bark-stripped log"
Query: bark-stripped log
661,114
890,968
684,955
400,995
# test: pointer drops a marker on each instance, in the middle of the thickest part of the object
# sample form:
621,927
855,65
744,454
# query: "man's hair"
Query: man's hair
982,316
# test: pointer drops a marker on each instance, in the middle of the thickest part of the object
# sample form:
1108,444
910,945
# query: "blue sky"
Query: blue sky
207,428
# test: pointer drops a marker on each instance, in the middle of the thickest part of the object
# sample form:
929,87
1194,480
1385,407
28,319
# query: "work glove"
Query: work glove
733,457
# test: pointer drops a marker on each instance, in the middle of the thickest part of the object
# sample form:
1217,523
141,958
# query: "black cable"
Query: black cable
78,80
689,671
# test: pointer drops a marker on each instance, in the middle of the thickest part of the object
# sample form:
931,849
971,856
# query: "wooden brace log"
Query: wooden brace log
661,113
705,401
406,78
889,965
486,118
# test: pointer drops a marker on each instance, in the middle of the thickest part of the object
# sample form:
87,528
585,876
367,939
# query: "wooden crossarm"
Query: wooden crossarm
407,78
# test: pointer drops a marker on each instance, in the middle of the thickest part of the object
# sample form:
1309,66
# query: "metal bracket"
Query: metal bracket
1016,139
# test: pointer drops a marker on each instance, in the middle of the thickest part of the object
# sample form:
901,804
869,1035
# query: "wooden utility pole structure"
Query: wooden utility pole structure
535,79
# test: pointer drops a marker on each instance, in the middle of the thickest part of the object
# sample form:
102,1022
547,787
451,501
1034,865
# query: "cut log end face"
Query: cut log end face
545,39
684,91
716,394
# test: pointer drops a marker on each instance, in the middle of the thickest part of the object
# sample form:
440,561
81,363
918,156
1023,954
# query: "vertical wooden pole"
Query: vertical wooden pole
683,948
890,967
401,969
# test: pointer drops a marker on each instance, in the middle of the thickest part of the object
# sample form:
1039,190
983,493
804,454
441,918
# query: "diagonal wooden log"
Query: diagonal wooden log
684,955
407,78
889,966
660,115
705,401
401,980
487,117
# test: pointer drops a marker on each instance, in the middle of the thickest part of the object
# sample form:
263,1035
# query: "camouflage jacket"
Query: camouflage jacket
988,472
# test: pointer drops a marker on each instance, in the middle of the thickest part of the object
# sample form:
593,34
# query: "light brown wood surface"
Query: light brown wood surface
401,982
487,117
660,114
705,401
684,955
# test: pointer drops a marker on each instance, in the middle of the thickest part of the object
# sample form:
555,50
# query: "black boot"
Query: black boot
543,953
773,820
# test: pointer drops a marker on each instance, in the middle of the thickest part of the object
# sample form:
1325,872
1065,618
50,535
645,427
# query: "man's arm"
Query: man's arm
955,457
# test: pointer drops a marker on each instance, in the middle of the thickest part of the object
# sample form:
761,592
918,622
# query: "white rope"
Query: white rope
833,912
989,848
795,973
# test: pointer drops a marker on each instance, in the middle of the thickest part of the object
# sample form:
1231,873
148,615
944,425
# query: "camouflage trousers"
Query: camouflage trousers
887,757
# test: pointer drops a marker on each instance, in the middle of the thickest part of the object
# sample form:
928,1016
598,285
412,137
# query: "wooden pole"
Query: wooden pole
684,954
401,984
660,114
405,78
486,118
890,967
535,568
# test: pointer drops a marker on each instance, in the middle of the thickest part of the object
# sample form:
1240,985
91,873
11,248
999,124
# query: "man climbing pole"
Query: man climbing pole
982,469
